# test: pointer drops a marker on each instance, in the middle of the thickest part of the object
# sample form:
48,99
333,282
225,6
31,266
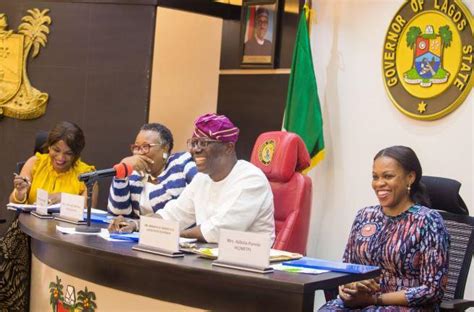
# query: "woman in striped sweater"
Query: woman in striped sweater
158,177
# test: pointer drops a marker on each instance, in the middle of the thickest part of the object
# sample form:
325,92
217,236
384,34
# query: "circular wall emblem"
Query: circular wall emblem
428,57
265,152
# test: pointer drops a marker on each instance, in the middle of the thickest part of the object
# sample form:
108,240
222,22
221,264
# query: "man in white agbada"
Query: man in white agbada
226,193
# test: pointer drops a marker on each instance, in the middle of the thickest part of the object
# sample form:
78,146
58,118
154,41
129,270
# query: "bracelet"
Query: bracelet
17,200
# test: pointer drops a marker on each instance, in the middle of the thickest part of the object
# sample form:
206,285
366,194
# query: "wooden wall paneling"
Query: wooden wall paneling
256,100
288,22
230,44
255,103
96,69
288,28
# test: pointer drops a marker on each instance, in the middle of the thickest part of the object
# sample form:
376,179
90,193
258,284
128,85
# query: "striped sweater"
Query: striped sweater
124,196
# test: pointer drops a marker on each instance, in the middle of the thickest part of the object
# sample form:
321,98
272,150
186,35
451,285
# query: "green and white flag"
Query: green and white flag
303,111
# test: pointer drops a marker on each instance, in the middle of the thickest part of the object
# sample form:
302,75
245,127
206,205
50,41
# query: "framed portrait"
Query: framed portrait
258,33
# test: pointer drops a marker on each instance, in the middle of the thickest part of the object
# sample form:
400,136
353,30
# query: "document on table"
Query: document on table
335,266
289,269
28,208
275,254
104,233
134,237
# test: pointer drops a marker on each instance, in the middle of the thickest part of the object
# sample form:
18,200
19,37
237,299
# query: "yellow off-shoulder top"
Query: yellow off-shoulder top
45,177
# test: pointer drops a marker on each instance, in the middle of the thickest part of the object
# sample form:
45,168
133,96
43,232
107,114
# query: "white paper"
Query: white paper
42,201
21,207
104,233
72,207
106,236
184,240
27,207
65,229
96,211
72,230
244,248
159,233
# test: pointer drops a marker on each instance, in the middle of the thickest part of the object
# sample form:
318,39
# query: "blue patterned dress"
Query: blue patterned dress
411,249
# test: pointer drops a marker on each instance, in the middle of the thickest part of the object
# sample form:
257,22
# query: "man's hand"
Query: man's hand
120,225
194,232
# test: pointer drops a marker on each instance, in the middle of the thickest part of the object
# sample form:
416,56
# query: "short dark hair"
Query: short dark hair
71,134
163,131
407,158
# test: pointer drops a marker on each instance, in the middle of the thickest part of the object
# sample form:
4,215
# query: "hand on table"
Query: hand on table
54,198
121,225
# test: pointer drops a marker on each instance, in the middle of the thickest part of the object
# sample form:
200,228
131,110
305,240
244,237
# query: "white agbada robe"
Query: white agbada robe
242,201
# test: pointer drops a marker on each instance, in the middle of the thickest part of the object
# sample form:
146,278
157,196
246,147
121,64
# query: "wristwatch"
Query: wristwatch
378,300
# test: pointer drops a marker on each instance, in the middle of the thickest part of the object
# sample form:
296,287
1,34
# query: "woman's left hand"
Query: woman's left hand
358,294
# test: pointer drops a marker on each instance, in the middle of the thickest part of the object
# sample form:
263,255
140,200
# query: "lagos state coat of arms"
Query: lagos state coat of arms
428,57
18,98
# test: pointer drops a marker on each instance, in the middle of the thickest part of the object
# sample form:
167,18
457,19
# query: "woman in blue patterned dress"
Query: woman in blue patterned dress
402,236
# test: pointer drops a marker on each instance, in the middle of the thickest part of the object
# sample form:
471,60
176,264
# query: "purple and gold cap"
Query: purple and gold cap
216,127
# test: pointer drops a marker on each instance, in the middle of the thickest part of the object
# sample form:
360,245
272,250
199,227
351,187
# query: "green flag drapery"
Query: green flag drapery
303,111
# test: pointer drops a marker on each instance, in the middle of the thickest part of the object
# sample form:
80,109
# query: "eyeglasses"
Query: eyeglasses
143,149
200,143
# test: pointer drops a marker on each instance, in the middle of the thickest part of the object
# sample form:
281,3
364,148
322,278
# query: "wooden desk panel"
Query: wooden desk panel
190,281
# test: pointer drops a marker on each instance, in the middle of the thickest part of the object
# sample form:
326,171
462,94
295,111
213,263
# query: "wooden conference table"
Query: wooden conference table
189,281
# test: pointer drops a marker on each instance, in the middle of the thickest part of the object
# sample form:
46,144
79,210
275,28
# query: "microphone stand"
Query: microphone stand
92,179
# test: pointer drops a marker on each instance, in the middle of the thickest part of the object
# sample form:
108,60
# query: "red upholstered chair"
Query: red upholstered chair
281,156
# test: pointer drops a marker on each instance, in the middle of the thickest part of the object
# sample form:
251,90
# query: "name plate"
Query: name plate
41,202
159,236
72,207
244,250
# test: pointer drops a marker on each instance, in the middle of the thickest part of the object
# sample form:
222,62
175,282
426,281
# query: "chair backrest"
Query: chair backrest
444,194
281,156
445,198
461,249
40,147
41,139
19,166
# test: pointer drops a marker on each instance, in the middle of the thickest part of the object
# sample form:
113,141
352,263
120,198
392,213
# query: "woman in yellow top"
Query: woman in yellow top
56,172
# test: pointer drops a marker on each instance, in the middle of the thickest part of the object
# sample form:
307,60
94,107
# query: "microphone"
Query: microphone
120,171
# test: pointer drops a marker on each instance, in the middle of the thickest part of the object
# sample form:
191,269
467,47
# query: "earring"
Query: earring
165,155
408,188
